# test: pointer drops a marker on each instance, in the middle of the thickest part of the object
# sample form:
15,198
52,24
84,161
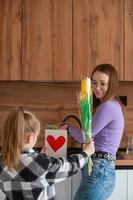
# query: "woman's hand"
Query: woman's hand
89,148
64,127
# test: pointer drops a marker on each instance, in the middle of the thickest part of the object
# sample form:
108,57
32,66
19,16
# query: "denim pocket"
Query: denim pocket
96,172
108,179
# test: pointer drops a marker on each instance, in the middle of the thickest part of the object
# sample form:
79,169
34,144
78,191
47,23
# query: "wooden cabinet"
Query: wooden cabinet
10,40
128,15
47,40
36,40
64,40
98,35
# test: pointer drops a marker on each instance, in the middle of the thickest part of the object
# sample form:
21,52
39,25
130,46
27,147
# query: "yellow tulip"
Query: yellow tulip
83,88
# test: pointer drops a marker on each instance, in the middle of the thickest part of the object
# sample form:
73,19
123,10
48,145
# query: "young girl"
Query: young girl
107,130
26,174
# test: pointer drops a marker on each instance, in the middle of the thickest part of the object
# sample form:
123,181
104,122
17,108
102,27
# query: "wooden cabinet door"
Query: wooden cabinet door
10,40
97,35
128,40
47,40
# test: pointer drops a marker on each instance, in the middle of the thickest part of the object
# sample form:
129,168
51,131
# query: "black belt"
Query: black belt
103,155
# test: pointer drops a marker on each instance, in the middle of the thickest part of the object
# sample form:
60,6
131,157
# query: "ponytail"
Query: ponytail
18,123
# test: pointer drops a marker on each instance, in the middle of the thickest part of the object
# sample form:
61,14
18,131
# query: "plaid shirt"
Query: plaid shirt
34,178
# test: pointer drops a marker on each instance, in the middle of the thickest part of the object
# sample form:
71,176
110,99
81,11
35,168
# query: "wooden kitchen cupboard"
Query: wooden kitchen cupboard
71,37
98,35
10,40
36,40
47,40
128,22
64,40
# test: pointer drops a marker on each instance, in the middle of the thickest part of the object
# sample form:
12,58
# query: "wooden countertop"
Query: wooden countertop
124,159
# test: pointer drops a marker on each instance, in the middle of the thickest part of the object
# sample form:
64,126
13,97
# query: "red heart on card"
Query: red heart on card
55,144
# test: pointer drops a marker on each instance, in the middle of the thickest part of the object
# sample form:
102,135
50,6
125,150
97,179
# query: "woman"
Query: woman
107,130
26,174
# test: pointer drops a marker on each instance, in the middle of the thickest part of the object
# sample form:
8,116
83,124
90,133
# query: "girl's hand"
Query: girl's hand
89,148
44,150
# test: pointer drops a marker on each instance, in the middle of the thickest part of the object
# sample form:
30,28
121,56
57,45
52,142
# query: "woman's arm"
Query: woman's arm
104,114
76,133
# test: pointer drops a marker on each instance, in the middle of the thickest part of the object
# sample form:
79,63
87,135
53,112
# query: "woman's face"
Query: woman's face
100,84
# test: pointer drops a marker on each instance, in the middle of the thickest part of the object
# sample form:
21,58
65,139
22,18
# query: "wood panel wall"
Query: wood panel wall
53,101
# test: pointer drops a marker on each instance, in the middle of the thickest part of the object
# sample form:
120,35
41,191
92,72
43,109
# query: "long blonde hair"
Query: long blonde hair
18,123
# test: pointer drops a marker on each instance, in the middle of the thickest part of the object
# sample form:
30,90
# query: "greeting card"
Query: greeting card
56,142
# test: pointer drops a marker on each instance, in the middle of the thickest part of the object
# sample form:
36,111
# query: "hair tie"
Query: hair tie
21,108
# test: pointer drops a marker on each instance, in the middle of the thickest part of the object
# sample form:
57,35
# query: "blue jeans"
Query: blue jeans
100,184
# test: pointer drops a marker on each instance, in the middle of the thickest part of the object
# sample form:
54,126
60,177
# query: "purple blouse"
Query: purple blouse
107,127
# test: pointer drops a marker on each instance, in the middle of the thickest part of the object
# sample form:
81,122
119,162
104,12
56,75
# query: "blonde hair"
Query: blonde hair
18,123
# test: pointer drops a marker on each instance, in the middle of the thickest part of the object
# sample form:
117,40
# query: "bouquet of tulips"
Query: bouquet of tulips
85,104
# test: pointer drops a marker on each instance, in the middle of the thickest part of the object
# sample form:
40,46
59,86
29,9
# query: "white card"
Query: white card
56,142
